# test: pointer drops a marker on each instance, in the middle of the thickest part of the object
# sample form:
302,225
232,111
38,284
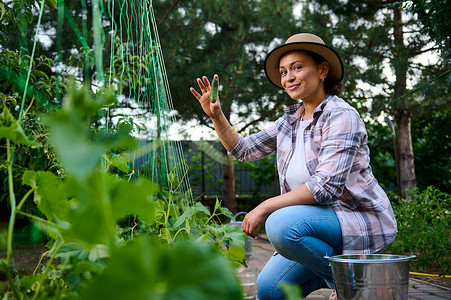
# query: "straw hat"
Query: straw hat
308,42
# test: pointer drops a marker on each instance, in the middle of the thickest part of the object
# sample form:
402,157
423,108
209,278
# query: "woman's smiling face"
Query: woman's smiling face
301,76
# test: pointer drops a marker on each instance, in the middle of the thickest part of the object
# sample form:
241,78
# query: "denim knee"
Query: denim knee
275,230
268,290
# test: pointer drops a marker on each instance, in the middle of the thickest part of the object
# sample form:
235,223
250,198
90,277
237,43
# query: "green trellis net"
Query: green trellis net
127,58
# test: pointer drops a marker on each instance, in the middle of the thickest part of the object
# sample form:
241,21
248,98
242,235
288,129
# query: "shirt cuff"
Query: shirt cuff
316,186
236,152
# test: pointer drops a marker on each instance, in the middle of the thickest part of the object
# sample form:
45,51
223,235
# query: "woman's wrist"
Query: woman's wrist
266,207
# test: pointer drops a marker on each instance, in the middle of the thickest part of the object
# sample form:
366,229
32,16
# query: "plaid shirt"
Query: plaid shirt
337,158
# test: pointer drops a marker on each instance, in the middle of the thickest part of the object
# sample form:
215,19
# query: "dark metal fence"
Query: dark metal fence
205,160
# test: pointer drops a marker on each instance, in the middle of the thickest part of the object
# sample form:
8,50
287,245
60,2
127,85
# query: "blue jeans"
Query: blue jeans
301,235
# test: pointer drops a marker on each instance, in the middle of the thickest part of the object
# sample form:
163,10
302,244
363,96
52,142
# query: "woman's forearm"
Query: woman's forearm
227,135
298,196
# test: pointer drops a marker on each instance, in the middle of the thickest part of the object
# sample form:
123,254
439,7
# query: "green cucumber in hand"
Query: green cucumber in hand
214,90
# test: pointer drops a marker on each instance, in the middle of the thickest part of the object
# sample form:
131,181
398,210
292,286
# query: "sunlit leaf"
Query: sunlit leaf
119,162
237,254
2,9
234,234
81,102
186,215
71,249
200,208
98,252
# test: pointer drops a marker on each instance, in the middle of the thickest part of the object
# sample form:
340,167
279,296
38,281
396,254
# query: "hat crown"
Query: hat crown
304,38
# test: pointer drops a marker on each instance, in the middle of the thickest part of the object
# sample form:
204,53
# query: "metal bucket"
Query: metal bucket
371,276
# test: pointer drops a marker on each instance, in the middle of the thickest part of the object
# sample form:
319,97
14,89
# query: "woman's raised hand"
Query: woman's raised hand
211,109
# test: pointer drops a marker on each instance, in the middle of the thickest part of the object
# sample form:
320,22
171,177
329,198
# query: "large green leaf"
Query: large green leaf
237,254
196,212
133,198
90,213
71,140
50,194
144,269
101,200
12,130
234,234
2,11
79,101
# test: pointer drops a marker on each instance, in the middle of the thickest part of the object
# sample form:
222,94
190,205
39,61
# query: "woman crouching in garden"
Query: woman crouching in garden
330,202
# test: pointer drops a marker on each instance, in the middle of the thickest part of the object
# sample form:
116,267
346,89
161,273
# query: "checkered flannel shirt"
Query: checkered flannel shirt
337,158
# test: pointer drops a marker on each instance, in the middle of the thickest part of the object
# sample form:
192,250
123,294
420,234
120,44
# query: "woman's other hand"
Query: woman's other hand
254,218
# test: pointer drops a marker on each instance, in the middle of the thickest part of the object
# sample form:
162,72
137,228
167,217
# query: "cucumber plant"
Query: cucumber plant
179,247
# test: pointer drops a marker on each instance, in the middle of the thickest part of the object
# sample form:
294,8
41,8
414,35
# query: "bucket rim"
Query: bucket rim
370,258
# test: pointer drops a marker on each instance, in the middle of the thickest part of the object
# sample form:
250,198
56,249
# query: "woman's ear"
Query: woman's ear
324,69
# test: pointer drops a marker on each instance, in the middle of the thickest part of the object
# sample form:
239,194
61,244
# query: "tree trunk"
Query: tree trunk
403,115
407,180
229,185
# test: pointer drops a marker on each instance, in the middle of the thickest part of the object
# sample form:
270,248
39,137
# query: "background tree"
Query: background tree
229,38
232,38
435,18
372,35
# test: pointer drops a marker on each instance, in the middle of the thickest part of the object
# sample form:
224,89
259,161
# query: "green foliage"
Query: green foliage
41,88
11,129
424,229
380,143
431,137
79,147
84,211
291,291
145,269
434,15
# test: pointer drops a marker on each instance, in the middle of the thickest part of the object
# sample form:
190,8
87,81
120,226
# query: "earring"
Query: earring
322,79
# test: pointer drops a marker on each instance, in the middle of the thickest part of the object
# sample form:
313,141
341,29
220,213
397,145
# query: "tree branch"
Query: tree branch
251,123
426,50
168,12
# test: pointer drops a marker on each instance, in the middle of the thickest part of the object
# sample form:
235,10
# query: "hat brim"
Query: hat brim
329,54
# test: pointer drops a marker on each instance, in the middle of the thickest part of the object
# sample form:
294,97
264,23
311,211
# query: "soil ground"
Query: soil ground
26,259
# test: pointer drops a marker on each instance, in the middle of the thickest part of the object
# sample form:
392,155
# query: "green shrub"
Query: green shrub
423,229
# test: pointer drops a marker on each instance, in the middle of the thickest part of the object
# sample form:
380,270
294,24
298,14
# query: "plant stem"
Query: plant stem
107,209
12,199
166,221
25,198
34,218
47,267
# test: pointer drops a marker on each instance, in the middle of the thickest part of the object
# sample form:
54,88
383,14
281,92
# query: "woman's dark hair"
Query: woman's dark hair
331,86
